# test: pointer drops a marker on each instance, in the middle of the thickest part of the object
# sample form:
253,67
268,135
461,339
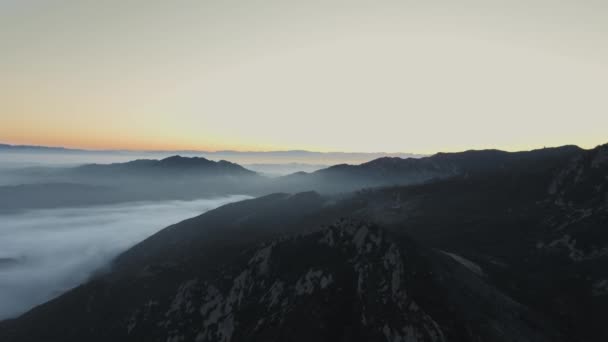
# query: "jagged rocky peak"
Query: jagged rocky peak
350,281
344,282
583,181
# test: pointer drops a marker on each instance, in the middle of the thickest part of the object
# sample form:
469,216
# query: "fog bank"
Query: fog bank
43,253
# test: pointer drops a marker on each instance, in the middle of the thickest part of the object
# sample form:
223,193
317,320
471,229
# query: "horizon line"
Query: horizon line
84,149
410,154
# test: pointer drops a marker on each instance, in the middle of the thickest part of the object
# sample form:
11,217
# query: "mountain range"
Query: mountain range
179,177
474,246
168,167
241,157
140,180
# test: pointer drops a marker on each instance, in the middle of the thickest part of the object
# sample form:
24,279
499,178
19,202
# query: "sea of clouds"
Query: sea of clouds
44,253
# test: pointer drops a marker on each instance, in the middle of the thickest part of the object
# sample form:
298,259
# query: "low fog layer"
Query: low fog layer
276,170
46,252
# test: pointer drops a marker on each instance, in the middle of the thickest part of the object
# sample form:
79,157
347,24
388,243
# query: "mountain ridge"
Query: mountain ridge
533,225
172,163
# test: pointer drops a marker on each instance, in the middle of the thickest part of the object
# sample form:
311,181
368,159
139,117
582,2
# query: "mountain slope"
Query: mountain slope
509,246
397,171
538,234
189,178
168,167
350,281
140,180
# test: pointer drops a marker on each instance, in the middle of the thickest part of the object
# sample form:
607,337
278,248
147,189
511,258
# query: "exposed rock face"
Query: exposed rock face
349,286
578,227
584,181
351,281
539,234
519,238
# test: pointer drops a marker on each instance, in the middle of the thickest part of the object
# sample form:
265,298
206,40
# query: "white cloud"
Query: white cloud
43,253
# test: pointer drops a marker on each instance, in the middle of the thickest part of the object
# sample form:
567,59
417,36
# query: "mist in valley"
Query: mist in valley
44,253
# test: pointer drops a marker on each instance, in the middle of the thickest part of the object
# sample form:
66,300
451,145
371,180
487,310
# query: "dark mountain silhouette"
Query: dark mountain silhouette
396,171
212,278
171,166
188,178
170,178
538,234
241,157
510,251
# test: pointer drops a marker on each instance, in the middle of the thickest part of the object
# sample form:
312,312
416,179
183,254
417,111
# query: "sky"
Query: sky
366,76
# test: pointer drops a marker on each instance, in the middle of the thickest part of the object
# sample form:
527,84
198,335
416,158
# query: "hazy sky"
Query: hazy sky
415,76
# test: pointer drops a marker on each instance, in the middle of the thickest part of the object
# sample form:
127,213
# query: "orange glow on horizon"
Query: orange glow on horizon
129,144
100,145
159,76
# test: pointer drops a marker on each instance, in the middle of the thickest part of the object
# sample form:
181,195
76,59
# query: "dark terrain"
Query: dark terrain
184,178
472,246
174,177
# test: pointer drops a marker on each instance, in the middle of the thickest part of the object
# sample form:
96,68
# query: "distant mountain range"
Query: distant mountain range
7,147
168,167
397,171
241,157
179,177
92,184
480,246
